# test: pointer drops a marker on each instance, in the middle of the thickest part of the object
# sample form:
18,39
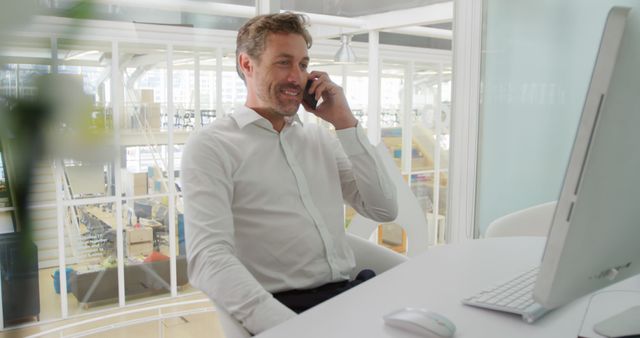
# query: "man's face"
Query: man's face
280,74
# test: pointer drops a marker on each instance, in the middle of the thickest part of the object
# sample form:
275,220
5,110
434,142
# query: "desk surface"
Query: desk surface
438,280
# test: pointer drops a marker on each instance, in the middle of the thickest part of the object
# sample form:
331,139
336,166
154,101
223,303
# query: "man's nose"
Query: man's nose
296,75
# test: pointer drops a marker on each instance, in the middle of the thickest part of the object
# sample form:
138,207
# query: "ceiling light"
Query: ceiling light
345,54
81,54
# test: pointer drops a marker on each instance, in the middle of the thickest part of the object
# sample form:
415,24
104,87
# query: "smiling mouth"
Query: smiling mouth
291,92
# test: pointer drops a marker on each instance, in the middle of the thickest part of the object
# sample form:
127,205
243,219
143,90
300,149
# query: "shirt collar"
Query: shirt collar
245,116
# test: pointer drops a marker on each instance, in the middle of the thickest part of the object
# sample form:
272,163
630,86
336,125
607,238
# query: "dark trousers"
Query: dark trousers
302,300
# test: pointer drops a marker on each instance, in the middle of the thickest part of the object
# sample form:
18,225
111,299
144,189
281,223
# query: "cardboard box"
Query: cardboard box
151,115
146,96
135,183
139,235
139,249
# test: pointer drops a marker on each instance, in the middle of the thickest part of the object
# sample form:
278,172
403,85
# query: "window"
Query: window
4,184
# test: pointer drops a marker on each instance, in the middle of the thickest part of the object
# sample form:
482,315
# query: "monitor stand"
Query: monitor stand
613,311
624,324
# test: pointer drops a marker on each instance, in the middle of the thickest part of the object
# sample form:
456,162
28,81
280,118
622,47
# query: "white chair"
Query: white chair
368,256
231,327
410,215
532,221
372,256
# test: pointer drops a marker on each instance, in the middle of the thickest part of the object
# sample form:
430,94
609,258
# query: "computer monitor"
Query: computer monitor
594,239
142,209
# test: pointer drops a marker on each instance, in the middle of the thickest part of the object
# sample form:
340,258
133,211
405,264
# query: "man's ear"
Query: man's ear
246,64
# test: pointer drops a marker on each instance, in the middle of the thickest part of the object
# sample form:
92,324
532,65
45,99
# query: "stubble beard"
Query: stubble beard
276,105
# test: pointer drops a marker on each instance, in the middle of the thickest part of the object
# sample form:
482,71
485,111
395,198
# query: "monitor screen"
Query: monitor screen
142,209
593,240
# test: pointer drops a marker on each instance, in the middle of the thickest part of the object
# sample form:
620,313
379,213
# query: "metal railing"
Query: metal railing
157,316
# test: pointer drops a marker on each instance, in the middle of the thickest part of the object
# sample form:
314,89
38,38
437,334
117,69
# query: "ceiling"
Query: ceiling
346,8
168,12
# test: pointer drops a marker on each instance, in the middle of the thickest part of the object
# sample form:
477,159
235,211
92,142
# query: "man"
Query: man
264,193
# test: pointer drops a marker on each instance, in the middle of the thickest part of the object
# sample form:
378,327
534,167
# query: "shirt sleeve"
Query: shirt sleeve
212,264
366,185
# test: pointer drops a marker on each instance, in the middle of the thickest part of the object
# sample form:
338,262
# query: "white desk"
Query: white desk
438,280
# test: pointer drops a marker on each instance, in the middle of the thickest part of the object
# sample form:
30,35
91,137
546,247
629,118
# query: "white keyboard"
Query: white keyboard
514,296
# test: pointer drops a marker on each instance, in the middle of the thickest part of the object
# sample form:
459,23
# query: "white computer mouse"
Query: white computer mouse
422,322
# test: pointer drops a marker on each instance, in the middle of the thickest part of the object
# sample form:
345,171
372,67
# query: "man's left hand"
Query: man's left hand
334,107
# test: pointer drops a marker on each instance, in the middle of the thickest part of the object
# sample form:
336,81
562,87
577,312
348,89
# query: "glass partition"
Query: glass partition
146,249
358,92
184,89
391,91
23,61
234,92
536,70
82,179
92,267
136,179
144,75
426,173
145,170
208,87
430,143
89,62
28,278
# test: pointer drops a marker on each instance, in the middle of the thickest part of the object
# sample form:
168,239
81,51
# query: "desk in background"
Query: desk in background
152,235
438,280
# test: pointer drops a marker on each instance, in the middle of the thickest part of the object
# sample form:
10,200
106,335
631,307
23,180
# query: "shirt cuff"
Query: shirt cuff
353,140
267,315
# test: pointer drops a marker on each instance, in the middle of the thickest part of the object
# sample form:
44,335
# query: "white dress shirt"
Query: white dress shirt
264,210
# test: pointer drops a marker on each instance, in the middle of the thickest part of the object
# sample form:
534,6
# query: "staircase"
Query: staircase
44,220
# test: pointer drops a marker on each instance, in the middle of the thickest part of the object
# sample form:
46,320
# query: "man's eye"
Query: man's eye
304,66
283,62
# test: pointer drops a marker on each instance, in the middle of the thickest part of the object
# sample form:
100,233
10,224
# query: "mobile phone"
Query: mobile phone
309,99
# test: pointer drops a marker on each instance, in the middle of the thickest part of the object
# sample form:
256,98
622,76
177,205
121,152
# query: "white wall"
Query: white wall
537,63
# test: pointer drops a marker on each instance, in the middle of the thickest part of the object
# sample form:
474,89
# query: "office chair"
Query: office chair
532,221
230,326
410,214
368,256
